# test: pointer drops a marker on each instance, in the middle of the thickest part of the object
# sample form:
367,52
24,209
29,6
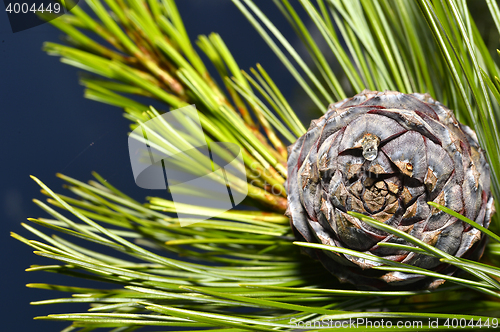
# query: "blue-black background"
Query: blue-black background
47,127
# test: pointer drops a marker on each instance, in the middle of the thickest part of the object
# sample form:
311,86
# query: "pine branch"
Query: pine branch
244,271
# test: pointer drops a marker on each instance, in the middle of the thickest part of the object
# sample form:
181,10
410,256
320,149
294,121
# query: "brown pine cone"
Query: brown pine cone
385,155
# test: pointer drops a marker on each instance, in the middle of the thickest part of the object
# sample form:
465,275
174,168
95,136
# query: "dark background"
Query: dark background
47,127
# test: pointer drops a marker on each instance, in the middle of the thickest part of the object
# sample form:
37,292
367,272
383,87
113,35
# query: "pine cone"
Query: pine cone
385,155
